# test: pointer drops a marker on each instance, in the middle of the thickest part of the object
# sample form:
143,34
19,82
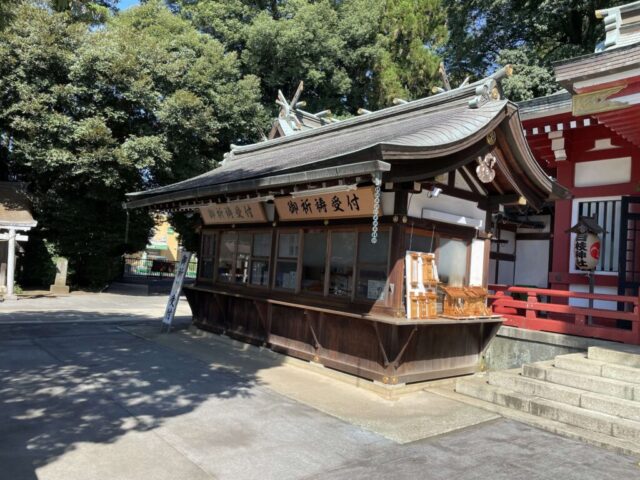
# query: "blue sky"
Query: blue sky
122,4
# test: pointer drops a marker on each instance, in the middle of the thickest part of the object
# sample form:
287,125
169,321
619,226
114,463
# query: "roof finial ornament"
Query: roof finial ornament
445,81
484,93
287,108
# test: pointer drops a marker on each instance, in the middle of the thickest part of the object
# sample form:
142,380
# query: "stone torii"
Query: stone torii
14,217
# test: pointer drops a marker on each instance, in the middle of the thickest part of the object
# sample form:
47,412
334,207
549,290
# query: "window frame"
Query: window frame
575,208
354,265
387,297
232,271
253,258
214,255
297,261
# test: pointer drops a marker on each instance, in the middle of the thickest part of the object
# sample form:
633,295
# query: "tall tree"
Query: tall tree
88,114
531,34
350,53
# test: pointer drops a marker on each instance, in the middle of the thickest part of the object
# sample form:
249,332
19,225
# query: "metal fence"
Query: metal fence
154,268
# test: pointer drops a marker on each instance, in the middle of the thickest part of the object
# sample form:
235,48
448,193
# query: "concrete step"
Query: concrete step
592,383
625,447
513,380
578,362
617,407
601,423
626,355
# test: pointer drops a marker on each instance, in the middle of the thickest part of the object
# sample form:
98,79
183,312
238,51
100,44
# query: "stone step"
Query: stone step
578,362
614,406
601,423
592,383
512,380
626,355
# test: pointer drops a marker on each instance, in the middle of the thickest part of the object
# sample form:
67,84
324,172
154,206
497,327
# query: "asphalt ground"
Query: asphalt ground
95,401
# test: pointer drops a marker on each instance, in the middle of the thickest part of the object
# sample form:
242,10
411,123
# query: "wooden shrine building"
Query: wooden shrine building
304,236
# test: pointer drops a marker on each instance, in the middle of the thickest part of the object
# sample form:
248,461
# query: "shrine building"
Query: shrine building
330,241
588,137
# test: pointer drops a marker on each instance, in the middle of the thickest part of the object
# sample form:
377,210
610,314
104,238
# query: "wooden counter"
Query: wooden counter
376,347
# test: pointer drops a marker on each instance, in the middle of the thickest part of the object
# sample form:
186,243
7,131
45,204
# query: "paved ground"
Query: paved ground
101,401
86,307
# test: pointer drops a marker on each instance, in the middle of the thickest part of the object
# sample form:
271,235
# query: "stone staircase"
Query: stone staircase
595,397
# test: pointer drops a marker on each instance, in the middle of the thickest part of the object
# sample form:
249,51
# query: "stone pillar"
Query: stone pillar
11,263
60,284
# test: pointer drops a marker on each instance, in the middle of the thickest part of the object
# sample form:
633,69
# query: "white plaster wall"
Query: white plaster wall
505,273
477,267
532,263
602,172
388,200
583,302
510,238
443,203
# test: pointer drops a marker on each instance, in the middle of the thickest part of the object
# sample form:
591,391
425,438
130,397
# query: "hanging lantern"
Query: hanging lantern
586,246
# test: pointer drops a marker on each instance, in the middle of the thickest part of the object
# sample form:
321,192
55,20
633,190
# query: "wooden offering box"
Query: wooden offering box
465,302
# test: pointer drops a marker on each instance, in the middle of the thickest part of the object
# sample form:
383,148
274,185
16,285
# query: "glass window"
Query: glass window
343,252
372,266
260,259
452,261
207,255
419,243
227,250
314,257
288,245
242,257
287,262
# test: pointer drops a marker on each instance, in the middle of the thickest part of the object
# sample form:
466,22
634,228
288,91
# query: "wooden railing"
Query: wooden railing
550,311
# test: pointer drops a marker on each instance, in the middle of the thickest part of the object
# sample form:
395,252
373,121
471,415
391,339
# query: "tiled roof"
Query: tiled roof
14,206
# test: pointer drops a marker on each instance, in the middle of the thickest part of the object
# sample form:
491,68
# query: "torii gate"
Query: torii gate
14,217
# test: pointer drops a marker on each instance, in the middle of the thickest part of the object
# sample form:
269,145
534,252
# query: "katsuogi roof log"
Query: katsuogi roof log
413,141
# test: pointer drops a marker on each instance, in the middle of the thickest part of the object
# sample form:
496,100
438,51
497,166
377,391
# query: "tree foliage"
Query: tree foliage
531,34
349,53
88,115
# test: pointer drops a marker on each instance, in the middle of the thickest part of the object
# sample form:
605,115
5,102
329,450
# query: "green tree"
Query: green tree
87,115
532,34
350,53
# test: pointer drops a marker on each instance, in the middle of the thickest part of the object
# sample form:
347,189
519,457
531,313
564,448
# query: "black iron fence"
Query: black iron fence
154,268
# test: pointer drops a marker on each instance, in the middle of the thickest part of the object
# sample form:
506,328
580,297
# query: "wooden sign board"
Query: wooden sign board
347,204
230,213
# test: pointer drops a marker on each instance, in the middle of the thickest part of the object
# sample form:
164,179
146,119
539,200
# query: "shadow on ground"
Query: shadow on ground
65,384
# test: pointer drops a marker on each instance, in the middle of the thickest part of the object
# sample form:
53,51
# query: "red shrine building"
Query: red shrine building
587,137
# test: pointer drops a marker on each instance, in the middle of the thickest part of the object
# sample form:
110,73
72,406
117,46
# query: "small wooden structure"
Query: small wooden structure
422,279
304,237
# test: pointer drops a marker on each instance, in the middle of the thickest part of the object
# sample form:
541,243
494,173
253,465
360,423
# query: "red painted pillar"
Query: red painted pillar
558,277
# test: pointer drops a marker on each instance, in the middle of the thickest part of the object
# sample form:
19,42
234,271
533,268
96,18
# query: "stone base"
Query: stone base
59,289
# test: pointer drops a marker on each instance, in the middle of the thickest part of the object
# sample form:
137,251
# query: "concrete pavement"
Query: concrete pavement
95,401
87,307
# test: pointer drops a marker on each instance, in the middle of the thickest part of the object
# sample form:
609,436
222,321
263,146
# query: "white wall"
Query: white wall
602,172
532,263
505,273
443,203
583,302
477,267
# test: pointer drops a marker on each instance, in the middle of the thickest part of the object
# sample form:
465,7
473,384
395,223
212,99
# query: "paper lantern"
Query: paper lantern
587,251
